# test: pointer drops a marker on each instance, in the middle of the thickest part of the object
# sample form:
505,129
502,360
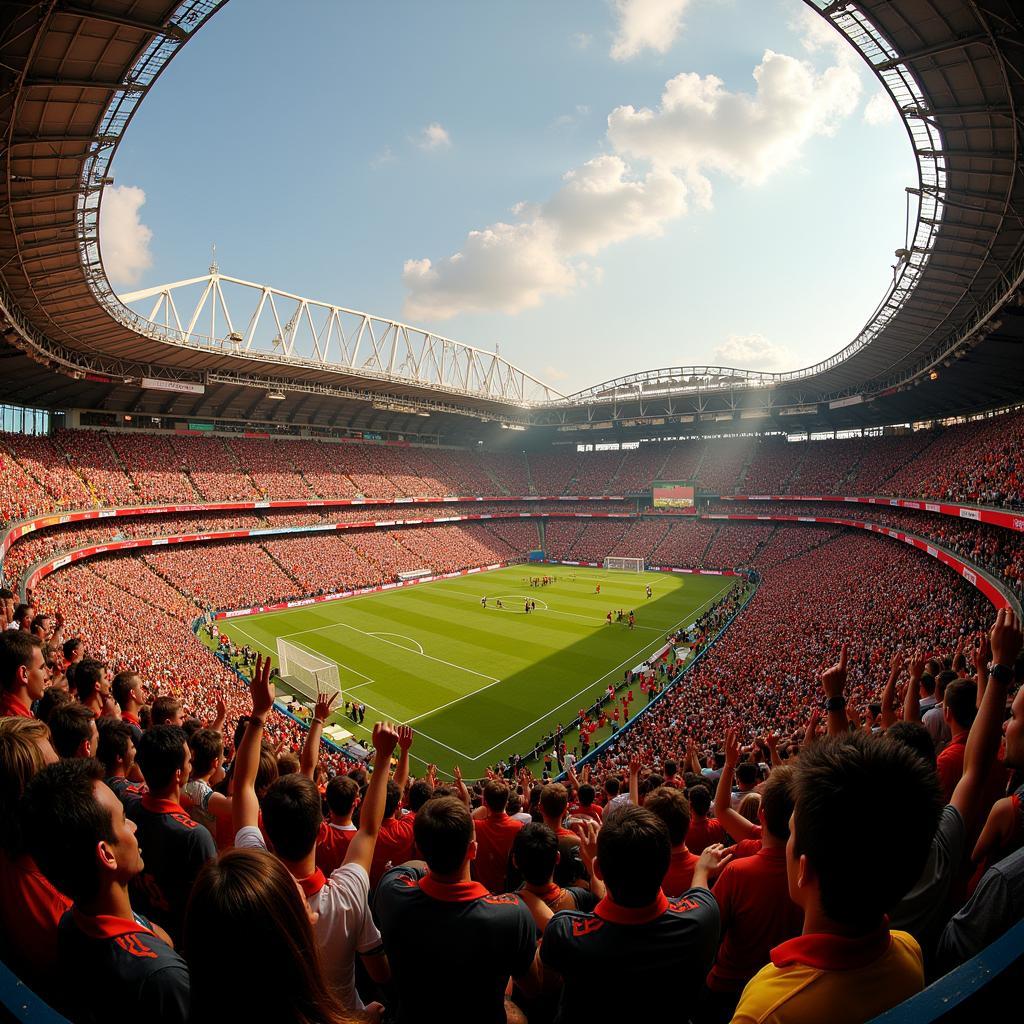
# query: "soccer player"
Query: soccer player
483,601
648,590
598,589
490,937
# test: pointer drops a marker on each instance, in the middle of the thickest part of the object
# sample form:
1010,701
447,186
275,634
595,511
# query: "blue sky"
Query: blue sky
600,187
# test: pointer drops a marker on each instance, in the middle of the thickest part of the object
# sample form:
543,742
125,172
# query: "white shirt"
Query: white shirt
344,926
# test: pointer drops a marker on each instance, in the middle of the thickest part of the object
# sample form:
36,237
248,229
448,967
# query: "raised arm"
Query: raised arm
217,723
912,700
634,780
982,656
461,786
1006,640
311,748
889,693
587,831
734,823
833,682
371,810
245,808
405,738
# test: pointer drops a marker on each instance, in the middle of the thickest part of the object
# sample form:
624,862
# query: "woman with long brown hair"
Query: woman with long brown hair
250,947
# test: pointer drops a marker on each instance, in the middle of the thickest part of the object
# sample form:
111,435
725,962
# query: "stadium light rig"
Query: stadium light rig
275,396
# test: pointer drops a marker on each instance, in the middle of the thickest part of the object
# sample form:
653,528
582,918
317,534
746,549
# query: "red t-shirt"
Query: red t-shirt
703,832
756,914
591,811
30,910
495,835
950,765
11,707
680,873
331,846
395,843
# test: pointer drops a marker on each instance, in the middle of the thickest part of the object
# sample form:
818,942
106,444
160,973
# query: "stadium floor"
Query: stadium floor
478,684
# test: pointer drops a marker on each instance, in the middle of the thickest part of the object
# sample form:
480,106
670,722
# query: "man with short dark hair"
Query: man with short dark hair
672,807
847,965
960,706
73,731
657,950
490,937
176,845
22,673
554,799
495,834
535,855
127,691
116,752
114,963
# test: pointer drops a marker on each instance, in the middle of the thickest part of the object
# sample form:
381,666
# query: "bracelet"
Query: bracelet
319,721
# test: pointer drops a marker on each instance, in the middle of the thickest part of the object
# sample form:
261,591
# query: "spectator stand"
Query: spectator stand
609,744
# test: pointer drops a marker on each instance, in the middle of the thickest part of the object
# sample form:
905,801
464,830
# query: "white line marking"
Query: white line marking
695,614
419,646
441,707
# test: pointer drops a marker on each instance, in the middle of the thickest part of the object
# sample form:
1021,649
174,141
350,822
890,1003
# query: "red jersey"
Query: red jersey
395,844
680,873
950,765
703,832
331,846
590,811
11,707
757,915
495,835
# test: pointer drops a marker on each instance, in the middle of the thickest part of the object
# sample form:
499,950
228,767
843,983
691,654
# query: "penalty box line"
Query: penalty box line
383,714
696,612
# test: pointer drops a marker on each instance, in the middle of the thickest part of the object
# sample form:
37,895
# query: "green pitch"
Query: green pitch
478,684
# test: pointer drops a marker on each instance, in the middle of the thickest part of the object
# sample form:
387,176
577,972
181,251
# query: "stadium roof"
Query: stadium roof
945,339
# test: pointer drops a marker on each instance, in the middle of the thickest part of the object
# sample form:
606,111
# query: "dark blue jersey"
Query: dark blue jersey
118,970
490,937
174,848
657,956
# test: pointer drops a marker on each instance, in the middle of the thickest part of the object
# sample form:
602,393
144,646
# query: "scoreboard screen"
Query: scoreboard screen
674,494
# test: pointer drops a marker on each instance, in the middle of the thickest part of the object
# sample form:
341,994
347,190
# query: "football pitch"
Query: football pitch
478,684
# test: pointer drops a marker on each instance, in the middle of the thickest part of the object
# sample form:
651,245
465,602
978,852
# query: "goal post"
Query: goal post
307,671
625,564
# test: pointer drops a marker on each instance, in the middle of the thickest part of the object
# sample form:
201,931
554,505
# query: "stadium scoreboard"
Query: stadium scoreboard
677,495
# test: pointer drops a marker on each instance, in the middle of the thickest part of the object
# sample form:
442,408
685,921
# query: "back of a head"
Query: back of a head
443,831
777,798
341,795
292,815
672,807
160,754
64,821
749,806
554,799
535,851
70,726
746,774
495,795
916,737
634,852
245,909
838,782
21,756
122,686
288,763
419,793
71,647
962,702
700,800
53,697
587,794
392,798
945,677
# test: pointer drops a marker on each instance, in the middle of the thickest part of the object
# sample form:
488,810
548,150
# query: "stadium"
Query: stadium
376,643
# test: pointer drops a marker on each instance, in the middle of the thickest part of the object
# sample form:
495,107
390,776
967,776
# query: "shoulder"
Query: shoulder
351,881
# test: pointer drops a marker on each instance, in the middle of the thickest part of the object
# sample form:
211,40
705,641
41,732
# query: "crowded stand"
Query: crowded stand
736,545
154,468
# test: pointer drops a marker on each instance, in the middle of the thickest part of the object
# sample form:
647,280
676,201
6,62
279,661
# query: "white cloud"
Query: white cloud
880,109
646,25
701,126
434,136
124,239
818,34
512,267
752,352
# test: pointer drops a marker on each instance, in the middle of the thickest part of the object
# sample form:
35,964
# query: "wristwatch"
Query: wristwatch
835,704
1002,674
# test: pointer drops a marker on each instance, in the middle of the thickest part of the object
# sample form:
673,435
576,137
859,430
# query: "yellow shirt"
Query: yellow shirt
815,978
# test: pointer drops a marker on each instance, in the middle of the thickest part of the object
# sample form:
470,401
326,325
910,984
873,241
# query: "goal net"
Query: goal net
628,564
306,671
